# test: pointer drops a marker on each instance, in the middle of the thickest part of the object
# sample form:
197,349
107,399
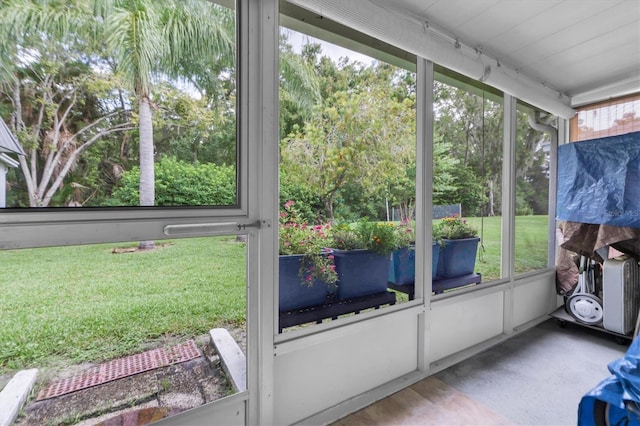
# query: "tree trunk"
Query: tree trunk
328,206
466,146
147,173
18,124
491,212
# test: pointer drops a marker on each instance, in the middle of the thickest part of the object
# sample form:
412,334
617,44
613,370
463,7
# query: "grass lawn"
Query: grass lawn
530,248
66,305
85,303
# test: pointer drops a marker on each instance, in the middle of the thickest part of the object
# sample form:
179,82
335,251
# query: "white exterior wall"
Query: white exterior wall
3,184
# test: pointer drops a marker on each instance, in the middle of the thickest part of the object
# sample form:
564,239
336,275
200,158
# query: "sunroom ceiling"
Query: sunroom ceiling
586,49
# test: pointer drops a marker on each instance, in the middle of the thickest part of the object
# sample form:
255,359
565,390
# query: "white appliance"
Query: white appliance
620,294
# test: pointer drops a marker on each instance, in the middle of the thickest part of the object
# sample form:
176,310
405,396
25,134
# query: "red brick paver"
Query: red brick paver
122,367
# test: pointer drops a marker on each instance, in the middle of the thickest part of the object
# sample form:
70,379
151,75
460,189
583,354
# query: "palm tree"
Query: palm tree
150,38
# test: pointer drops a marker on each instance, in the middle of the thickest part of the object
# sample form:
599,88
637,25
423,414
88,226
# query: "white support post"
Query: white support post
258,87
508,206
424,203
3,184
553,188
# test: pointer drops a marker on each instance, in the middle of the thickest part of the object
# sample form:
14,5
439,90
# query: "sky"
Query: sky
297,40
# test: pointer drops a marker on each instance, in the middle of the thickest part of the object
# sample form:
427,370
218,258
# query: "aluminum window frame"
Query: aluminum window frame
49,226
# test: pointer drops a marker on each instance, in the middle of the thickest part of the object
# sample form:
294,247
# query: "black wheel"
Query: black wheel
621,340
565,298
585,308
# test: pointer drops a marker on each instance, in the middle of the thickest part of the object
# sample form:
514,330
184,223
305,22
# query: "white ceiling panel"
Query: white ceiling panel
588,31
609,55
499,20
582,79
450,14
545,25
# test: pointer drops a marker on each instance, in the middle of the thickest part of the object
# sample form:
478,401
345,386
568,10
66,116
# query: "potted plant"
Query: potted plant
402,266
402,269
307,271
458,247
362,253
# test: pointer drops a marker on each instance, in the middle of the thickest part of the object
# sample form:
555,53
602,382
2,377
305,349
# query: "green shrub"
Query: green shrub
178,183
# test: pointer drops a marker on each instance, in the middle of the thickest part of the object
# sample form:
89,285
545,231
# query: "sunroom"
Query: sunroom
491,88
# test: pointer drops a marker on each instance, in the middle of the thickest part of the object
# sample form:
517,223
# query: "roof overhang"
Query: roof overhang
10,162
8,142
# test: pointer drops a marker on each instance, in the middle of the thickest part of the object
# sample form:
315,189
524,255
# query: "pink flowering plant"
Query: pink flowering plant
311,241
406,233
453,228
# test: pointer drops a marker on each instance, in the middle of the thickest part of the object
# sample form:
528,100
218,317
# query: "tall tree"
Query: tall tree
299,84
472,125
149,38
363,136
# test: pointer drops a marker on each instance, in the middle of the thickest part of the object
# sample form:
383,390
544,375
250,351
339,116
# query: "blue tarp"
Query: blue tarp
615,401
599,181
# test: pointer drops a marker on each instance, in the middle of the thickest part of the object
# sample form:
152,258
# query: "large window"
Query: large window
533,149
119,104
347,179
468,128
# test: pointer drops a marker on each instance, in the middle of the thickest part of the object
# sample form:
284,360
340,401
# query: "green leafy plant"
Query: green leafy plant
453,228
178,183
311,241
379,237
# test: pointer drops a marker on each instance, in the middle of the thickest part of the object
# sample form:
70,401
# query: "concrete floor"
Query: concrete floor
537,377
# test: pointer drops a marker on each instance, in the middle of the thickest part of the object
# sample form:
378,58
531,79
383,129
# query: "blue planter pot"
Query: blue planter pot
294,293
402,266
360,272
457,258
